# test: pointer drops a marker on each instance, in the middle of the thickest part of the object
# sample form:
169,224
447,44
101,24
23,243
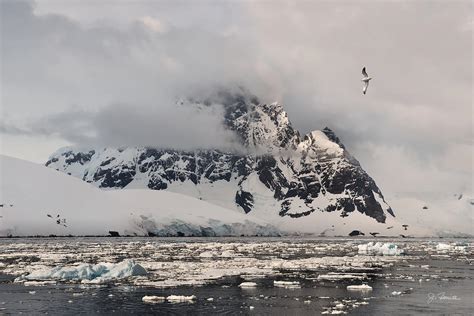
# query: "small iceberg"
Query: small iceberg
444,247
181,298
362,287
248,285
379,248
152,299
87,272
287,284
332,276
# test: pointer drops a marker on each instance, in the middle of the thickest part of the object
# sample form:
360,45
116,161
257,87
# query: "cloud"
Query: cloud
111,75
120,125
153,24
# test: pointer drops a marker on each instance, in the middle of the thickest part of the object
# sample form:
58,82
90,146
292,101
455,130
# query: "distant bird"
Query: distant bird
365,80
374,234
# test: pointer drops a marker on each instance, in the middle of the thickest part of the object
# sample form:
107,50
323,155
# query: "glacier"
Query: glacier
69,206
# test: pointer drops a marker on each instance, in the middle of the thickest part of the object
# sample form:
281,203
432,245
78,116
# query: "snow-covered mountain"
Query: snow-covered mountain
281,173
35,200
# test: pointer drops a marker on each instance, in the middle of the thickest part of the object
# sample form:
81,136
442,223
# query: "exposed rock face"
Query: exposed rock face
282,171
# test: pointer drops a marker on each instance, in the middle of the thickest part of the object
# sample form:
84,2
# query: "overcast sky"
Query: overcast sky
82,72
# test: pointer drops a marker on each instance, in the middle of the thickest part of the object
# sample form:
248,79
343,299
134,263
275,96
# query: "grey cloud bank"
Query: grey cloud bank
82,72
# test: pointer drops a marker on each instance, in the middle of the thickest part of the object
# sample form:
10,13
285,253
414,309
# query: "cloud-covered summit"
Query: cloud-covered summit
69,67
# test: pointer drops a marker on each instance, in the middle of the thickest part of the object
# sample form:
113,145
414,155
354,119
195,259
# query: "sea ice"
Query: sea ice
444,247
362,287
153,299
180,298
379,248
287,284
341,276
98,272
38,283
248,284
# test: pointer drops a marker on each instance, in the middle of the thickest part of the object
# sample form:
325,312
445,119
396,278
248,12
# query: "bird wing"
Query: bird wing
364,72
366,85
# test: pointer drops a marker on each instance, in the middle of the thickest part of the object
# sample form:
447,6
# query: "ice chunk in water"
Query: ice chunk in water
101,271
444,247
248,284
153,299
180,298
379,248
287,284
362,287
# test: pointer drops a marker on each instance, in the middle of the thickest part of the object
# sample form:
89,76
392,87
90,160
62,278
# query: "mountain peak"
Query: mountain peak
282,174
332,136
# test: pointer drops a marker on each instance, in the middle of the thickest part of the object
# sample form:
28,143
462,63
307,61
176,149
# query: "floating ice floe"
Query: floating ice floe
379,248
153,299
287,284
444,247
39,283
248,285
362,287
207,254
341,276
334,312
180,298
88,272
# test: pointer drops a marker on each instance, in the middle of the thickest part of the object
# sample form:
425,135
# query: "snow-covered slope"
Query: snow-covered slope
35,200
32,196
281,173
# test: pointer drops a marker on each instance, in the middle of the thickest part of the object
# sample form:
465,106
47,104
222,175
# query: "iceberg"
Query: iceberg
287,284
379,248
180,298
444,247
248,285
153,299
88,272
362,287
341,276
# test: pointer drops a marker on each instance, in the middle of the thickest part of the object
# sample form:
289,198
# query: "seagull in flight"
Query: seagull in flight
365,80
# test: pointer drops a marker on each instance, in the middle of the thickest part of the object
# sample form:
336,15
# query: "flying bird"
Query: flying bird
365,80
